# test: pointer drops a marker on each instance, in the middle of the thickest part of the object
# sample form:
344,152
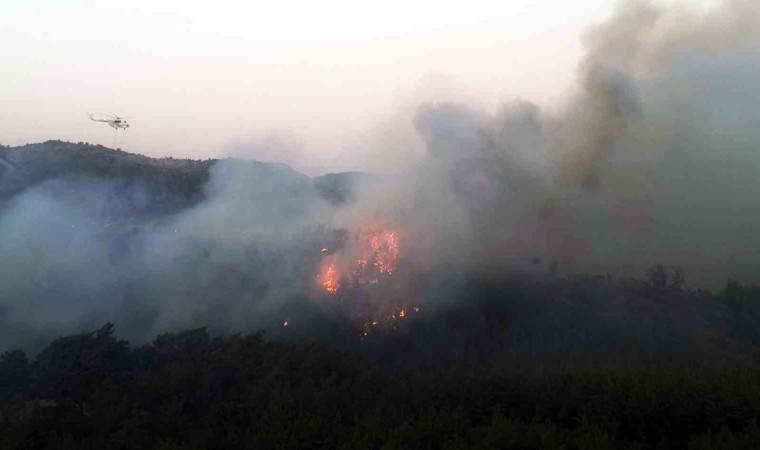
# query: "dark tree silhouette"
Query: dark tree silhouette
658,276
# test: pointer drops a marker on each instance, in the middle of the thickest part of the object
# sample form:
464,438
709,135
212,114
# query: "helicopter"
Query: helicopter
114,121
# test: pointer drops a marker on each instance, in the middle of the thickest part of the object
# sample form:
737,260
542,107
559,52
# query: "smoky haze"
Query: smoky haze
652,159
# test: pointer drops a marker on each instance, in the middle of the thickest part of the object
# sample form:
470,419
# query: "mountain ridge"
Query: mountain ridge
174,183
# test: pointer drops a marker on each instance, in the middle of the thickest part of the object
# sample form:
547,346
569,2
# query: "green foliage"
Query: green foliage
71,366
189,390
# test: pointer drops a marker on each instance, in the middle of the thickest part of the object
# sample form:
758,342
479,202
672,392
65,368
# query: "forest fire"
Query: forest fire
330,280
387,321
377,252
373,252
363,274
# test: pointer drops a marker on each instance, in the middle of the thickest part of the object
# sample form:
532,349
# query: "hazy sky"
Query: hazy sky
311,83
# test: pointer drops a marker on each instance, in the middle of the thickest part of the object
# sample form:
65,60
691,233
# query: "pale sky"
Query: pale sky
203,78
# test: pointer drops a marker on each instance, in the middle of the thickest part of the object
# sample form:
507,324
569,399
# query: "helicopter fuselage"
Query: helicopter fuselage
116,124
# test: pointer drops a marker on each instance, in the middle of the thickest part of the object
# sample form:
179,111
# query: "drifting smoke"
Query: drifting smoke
661,140
72,257
653,159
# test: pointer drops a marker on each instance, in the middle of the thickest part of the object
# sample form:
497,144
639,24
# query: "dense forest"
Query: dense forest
398,390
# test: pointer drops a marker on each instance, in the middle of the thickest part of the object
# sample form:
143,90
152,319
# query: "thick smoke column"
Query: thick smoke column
661,138
653,159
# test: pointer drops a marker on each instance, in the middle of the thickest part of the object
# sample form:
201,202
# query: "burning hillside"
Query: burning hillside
361,276
367,255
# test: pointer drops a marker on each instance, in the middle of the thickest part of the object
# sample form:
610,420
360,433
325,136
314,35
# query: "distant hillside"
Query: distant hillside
173,184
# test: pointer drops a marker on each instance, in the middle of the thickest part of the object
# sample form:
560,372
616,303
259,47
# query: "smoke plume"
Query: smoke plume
652,159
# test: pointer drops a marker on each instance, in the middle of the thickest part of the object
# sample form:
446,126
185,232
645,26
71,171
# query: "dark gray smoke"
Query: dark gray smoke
662,140
654,159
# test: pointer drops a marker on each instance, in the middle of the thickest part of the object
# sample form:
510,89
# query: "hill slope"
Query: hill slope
172,184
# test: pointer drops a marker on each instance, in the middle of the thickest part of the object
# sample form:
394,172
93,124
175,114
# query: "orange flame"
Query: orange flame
371,258
330,280
380,248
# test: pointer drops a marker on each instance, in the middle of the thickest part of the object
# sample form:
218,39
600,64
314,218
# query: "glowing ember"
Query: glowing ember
285,324
389,321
